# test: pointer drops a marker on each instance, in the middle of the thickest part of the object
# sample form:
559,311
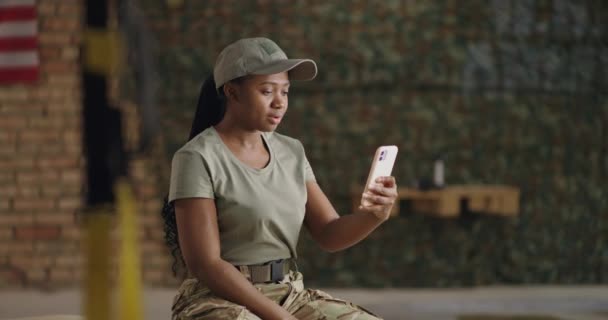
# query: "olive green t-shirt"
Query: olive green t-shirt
260,211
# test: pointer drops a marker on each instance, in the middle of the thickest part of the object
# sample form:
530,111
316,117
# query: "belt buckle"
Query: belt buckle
276,270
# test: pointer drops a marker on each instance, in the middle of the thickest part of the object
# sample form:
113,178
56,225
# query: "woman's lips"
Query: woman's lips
275,119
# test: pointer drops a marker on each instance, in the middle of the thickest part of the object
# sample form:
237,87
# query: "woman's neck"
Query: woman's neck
237,136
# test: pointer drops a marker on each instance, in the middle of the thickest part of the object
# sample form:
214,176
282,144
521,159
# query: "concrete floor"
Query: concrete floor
564,302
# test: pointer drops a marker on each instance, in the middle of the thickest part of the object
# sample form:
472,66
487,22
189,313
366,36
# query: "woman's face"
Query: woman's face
260,101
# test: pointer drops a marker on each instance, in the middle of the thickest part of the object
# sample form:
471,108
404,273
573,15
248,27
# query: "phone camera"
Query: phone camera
382,155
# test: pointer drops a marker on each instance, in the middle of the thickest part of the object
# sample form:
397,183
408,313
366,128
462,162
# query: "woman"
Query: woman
240,194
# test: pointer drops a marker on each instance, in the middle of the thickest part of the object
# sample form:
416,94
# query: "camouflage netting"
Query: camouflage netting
508,92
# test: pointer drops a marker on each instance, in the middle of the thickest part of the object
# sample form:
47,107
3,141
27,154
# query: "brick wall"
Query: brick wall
42,166
40,159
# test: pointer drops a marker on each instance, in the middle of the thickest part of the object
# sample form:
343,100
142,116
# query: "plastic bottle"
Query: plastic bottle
438,173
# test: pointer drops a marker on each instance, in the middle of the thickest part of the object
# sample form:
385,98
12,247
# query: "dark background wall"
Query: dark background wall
508,92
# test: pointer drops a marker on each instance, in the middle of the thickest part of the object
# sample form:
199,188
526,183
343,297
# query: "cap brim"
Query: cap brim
298,69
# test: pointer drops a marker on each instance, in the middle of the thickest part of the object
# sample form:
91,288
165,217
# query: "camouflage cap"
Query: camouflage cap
259,56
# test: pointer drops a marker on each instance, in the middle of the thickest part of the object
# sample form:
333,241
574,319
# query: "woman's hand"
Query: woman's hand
381,196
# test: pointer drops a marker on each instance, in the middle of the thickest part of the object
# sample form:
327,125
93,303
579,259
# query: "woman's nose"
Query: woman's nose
279,101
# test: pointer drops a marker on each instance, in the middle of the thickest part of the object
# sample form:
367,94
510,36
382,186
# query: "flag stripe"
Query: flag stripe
17,29
17,14
18,44
18,58
12,75
16,3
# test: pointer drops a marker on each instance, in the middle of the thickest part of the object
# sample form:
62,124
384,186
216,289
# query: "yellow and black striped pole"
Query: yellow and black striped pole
107,187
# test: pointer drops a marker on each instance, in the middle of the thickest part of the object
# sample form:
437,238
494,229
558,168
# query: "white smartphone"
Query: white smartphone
382,166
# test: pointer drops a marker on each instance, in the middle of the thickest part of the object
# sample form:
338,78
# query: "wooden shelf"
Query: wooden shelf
448,202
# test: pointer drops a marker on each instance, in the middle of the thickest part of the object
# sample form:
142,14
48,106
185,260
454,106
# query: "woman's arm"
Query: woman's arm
200,246
334,232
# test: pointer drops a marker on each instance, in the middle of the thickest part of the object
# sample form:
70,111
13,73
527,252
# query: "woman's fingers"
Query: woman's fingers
381,189
378,199
388,182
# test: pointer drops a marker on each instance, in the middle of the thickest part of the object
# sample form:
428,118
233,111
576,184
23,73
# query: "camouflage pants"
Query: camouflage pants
194,301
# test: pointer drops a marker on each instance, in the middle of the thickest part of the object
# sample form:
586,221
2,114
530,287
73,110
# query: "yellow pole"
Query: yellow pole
129,263
97,251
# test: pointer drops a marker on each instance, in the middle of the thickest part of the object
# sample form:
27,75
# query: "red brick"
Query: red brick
58,162
154,233
29,204
70,203
63,275
27,178
56,248
28,191
5,204
154,276
18,163
8,150
37,232
49,56
70,53
67,8
39,136
30,261
49,176
68,261
16,219
37,275
63,24
54,38
72,137
55,218
7,190
71,176
7,177
16,247
8,137
13,94
58,66
65,81
71,232
73,149
6,233
11,276
46,123
54,191
46,8
13,122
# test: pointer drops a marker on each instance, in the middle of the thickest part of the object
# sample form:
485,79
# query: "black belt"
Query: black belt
272,271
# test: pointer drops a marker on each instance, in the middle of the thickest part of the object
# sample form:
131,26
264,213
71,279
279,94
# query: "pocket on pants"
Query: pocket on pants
324,305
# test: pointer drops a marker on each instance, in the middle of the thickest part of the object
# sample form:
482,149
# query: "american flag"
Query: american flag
18,41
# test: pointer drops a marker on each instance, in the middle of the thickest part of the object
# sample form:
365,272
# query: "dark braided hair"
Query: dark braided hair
210,110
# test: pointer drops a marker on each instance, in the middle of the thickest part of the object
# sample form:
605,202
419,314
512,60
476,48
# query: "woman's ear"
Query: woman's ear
231,92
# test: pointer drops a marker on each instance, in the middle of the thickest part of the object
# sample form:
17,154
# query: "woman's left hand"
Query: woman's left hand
381,196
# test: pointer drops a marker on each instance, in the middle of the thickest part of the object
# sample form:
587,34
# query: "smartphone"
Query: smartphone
382,166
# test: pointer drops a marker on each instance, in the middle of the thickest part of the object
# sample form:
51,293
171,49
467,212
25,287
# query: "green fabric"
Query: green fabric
260,211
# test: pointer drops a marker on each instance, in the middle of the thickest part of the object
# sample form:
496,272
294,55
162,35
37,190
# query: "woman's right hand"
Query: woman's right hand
381,196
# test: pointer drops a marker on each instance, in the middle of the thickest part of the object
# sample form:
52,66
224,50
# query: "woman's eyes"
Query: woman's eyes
268,92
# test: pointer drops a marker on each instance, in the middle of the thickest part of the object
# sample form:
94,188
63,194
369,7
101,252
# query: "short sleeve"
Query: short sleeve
309,175
189,177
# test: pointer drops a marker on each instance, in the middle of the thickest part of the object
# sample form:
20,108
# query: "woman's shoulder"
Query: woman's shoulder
204,143
283,141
